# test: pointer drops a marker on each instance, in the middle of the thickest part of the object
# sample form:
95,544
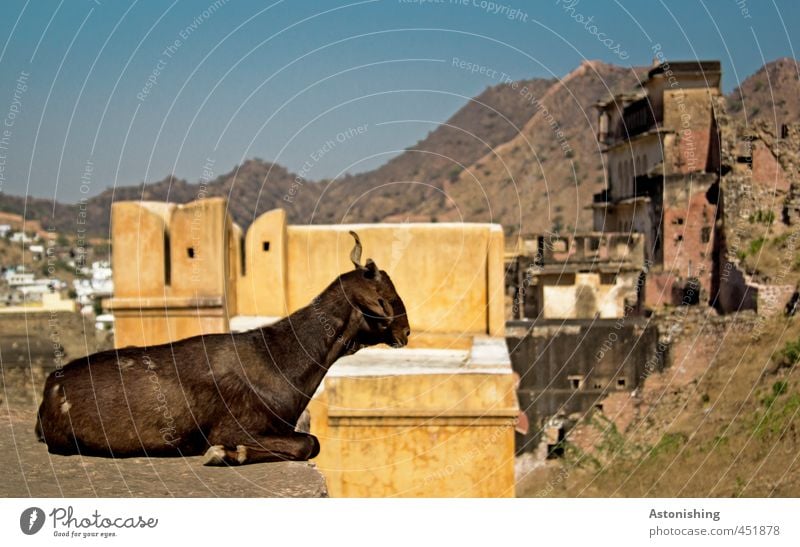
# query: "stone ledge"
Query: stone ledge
30,471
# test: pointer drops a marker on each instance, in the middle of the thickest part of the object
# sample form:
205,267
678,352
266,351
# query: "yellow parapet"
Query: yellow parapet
419,422
171,267
433,419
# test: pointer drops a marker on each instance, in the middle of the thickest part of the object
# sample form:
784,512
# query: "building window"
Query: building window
679,237
705,234
266,246
621,383
678,221
167,261
242,257
575,381
190,252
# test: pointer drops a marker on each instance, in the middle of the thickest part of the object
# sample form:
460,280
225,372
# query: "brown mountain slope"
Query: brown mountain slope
390,193
545,176
253,187
257,186
769,95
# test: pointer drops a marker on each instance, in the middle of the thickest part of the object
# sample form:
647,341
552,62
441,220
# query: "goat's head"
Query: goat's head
371,291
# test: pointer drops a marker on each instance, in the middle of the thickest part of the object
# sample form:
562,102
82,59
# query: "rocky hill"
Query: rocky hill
486,121
769,95
252,188
545,176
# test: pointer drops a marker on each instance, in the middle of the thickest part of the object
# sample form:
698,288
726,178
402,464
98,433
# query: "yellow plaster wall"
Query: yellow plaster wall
137,239
147,309
450,275
441,270
436,435
155,321
201,226
262,288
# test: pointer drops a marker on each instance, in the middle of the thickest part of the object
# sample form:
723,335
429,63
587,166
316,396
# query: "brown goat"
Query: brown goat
235,397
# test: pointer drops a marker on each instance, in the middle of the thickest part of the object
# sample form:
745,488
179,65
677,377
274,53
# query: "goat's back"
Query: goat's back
160,400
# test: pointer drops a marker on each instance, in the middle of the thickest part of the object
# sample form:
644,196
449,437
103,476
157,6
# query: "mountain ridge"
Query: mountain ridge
499,158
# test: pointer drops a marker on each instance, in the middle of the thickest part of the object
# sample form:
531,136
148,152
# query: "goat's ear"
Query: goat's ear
371,270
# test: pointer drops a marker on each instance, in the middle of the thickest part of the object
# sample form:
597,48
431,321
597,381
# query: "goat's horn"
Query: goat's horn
355,254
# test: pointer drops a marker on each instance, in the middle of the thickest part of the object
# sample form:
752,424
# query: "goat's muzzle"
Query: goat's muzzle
401,339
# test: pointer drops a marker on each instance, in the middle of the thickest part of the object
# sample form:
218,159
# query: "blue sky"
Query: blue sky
277,81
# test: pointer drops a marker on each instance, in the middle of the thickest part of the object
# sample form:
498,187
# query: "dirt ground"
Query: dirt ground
29,470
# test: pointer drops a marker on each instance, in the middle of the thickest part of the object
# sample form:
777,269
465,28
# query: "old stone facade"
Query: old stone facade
760,200
662,166
575,276
568,368
697,183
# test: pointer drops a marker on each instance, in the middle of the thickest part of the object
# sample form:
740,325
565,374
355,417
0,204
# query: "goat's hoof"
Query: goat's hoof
241,454
215,455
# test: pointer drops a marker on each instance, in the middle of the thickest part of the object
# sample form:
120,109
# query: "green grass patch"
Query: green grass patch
755,246
669,443
779,408
762,217
789,354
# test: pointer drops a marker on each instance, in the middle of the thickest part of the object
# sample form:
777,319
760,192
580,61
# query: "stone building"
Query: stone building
577,333
568,367
575,276
696,183
662,154
690,192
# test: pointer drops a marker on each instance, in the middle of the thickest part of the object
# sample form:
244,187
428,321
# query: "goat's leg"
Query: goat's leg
296,447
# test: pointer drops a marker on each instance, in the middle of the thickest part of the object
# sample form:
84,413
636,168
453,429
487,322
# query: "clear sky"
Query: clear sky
102,92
